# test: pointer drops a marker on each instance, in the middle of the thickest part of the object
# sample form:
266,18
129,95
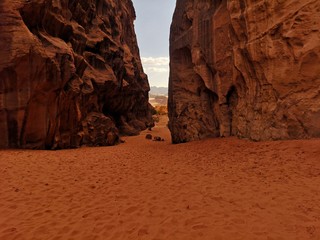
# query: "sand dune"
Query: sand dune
212,189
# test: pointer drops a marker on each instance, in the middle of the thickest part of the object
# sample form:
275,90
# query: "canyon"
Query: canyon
245,68
70,74
71,77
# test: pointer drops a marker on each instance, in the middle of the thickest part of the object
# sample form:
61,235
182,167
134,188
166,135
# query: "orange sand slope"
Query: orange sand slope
212,189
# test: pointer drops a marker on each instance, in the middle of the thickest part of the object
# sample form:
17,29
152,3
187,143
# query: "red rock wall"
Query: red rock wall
245,68
70,74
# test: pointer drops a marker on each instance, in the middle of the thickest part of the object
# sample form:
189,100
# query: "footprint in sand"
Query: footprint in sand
199,226
131,209
143,231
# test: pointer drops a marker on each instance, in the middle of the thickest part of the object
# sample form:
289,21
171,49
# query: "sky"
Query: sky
152,28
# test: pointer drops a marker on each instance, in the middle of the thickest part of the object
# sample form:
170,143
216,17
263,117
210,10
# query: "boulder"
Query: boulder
149,136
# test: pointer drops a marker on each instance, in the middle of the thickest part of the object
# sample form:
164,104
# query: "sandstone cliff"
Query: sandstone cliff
245,68
70,73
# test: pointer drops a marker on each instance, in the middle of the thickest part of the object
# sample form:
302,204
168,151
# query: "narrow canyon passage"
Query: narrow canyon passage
210,189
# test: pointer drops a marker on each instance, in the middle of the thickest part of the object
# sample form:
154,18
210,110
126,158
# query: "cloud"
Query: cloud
155,64
159,79
157,69
155,61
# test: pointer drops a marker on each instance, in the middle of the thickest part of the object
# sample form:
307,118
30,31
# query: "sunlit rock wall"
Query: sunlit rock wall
245,68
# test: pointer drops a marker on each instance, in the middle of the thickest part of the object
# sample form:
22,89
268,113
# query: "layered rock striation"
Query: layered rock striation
70,74
245,68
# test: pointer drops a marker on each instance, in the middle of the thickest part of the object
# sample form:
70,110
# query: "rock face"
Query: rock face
70,74
245,68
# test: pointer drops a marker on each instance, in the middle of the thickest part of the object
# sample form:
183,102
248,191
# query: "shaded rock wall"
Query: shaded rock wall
70,74
245,68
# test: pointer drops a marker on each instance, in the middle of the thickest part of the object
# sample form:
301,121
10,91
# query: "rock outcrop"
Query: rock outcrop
70,74
245,68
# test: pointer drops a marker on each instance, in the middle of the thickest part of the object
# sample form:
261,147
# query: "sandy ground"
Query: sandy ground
212,189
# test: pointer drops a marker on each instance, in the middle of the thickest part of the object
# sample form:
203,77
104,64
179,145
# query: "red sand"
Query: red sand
212,189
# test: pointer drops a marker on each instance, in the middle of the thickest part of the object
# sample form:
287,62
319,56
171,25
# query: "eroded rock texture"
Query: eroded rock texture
70,73
245,68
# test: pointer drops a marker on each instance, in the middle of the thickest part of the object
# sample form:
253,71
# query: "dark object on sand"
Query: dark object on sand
149,136
158,139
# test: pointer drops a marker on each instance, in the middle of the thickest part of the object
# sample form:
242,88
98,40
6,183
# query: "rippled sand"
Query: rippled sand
212,189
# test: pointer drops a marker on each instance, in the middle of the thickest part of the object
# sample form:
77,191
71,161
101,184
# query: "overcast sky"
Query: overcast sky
152,28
